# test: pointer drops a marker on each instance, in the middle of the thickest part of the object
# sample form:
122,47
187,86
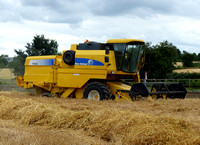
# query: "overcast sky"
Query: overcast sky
74,21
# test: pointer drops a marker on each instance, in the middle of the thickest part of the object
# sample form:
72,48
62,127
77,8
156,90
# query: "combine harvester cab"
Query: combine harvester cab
94,71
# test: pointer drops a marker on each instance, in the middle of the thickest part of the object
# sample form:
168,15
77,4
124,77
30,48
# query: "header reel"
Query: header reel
159,90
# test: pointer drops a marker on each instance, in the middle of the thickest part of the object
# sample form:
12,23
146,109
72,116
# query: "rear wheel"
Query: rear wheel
96,91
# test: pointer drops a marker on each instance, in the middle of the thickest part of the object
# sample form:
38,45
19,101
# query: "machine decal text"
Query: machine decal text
41,62
85,61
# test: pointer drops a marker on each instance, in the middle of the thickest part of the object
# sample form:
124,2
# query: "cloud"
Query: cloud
75,11
127,7
43,11
73,21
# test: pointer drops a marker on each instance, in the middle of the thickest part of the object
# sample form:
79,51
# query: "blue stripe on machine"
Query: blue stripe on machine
42,62
85,61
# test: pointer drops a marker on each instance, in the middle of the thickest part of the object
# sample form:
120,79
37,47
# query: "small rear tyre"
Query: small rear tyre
96,91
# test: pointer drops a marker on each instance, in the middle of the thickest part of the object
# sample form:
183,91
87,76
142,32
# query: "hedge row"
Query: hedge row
184,76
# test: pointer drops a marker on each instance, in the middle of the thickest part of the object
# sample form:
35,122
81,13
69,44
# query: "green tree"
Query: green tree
159,59
18,63
179,55
198,57
3,61
187,59
39,46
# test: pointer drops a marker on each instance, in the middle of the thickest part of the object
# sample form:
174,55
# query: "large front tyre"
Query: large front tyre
96,91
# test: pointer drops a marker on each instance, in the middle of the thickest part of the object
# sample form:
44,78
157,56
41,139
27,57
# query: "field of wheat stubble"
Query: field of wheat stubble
29,119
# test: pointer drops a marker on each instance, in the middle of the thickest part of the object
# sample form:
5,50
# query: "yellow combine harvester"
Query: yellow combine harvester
94,71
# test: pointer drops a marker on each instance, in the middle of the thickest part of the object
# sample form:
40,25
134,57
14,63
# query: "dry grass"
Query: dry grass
189,70
6,73
178,64
26,119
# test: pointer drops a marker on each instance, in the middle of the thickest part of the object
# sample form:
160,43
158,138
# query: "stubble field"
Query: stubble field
187,70
6,73
29,119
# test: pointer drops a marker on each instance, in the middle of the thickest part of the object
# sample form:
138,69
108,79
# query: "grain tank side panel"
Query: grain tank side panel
39,69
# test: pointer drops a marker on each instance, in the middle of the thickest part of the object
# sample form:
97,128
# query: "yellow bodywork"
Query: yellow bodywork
123,40
114,86
53,75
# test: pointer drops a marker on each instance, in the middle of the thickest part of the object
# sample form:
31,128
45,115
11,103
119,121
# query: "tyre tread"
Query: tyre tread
105,90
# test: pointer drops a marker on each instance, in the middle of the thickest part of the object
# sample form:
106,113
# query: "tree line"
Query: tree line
159,58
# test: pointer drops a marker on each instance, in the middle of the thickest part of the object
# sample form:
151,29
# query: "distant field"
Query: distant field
189,70
6,73
29,119
178,64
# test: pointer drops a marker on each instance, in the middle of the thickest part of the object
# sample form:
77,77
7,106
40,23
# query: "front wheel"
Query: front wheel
96,91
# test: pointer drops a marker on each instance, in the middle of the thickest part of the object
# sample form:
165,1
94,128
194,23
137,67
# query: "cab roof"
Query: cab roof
124,40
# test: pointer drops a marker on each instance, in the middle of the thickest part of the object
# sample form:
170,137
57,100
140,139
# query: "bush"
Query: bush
187,59
184,76
195,83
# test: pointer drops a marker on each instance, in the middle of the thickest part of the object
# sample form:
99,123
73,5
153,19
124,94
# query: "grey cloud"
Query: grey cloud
9,16
59,11
75,11
145,8
9,11
46,11
60,6
118,7
46,15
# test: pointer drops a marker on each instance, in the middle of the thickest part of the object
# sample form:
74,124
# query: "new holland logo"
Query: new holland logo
90,62
85,61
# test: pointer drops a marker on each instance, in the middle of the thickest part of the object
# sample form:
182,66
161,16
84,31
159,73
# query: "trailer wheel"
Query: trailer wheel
69,57
96,91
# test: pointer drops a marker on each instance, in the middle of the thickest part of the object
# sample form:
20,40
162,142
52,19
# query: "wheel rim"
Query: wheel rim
94,95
